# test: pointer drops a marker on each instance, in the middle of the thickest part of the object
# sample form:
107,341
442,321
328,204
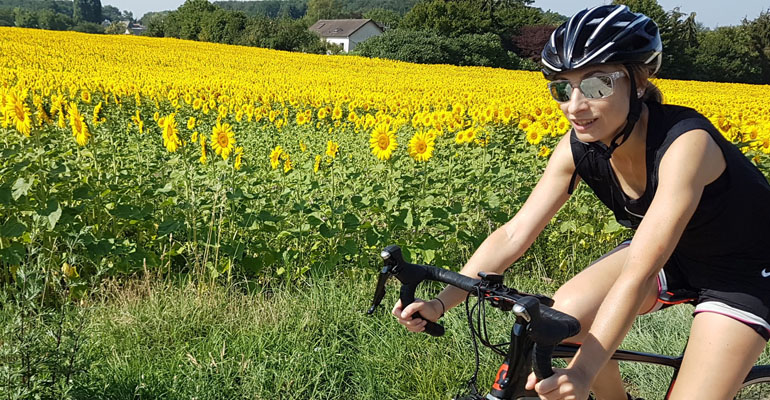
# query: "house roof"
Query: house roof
338,27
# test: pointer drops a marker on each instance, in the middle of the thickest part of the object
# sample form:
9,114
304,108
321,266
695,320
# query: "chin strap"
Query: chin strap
634,112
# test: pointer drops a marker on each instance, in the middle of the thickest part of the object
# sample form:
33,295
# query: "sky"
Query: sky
711,13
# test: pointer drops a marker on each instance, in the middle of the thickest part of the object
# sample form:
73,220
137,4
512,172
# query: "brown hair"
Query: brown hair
642,73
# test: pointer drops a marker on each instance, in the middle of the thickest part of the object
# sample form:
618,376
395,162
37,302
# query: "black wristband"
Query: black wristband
443,307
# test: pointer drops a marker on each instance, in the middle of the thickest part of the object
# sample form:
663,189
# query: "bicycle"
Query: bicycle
536,336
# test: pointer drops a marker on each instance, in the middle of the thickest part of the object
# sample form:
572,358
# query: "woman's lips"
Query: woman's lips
582,125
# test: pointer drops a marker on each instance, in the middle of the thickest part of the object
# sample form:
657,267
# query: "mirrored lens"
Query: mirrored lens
596,87
560,90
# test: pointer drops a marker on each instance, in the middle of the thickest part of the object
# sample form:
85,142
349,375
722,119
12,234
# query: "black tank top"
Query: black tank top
732,220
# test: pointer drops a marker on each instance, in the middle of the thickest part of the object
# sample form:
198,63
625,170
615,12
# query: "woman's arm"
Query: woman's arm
506,244
693,161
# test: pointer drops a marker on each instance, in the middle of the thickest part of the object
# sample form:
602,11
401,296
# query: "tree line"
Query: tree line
78,15
494,33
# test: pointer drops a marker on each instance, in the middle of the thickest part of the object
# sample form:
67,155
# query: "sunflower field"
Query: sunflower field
123,154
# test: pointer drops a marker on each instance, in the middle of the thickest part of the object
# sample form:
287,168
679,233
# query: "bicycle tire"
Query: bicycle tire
756,386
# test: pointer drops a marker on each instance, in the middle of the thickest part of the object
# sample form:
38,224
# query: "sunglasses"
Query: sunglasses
594,87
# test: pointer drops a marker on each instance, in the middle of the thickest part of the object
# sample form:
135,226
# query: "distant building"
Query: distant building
133,28
346,32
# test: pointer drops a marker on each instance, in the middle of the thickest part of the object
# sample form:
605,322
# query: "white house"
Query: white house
346,32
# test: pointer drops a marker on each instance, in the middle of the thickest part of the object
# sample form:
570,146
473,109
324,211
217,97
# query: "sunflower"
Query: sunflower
191,123
137,119
85,95
317,163
275,156
203,158
383,142
17,113
421,147
302,146
223,140
332,149
238,158
534,136
98,118
337,113
544,151
171,133
287,164
79,126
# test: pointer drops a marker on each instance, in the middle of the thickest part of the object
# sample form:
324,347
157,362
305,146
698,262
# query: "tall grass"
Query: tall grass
154,339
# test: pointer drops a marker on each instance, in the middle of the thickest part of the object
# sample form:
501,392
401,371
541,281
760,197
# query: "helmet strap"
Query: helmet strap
634,112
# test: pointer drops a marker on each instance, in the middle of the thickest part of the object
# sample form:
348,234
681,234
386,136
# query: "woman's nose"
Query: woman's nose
577,101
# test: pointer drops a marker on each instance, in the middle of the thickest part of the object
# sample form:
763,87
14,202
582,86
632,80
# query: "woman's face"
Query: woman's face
596,119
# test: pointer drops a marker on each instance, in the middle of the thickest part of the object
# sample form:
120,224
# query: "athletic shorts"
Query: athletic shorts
752,309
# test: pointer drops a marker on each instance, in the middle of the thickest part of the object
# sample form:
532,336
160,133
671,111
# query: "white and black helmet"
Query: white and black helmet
603,35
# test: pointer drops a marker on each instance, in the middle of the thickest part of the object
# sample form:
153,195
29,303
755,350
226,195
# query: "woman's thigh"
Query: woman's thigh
582,295
719,355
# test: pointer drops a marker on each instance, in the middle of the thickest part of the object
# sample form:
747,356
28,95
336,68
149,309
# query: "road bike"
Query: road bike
537,335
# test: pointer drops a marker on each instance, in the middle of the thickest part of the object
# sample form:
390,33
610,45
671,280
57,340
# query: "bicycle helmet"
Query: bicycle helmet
605,35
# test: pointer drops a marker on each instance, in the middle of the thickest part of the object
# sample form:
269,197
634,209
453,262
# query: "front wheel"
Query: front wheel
756,386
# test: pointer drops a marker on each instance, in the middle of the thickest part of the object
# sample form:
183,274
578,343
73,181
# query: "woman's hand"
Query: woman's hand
565,384
430,310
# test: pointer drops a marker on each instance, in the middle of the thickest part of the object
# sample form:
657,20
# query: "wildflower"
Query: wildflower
170,133
238,158
421,147
544,151
223,140
275,156
383,142
97,117
332,149
18,113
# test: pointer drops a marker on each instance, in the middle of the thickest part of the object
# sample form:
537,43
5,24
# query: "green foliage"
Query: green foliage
223,26
24,18
115,28
324,9
88,27
294,9
53,21
759,33
429,48
384,17
111,13
187,21
726,54
281,34
87,11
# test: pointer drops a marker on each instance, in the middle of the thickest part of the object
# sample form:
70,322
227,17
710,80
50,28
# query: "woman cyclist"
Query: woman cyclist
699,208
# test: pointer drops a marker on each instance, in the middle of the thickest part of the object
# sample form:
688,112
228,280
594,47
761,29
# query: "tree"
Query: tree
759,35
726,54
54,21
87,11
386,18
324,9
116,28
24,18
111,13
650,8
187,21
530,41
223,27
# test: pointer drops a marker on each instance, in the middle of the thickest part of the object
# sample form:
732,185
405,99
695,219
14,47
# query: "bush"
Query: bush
428,48
88,27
